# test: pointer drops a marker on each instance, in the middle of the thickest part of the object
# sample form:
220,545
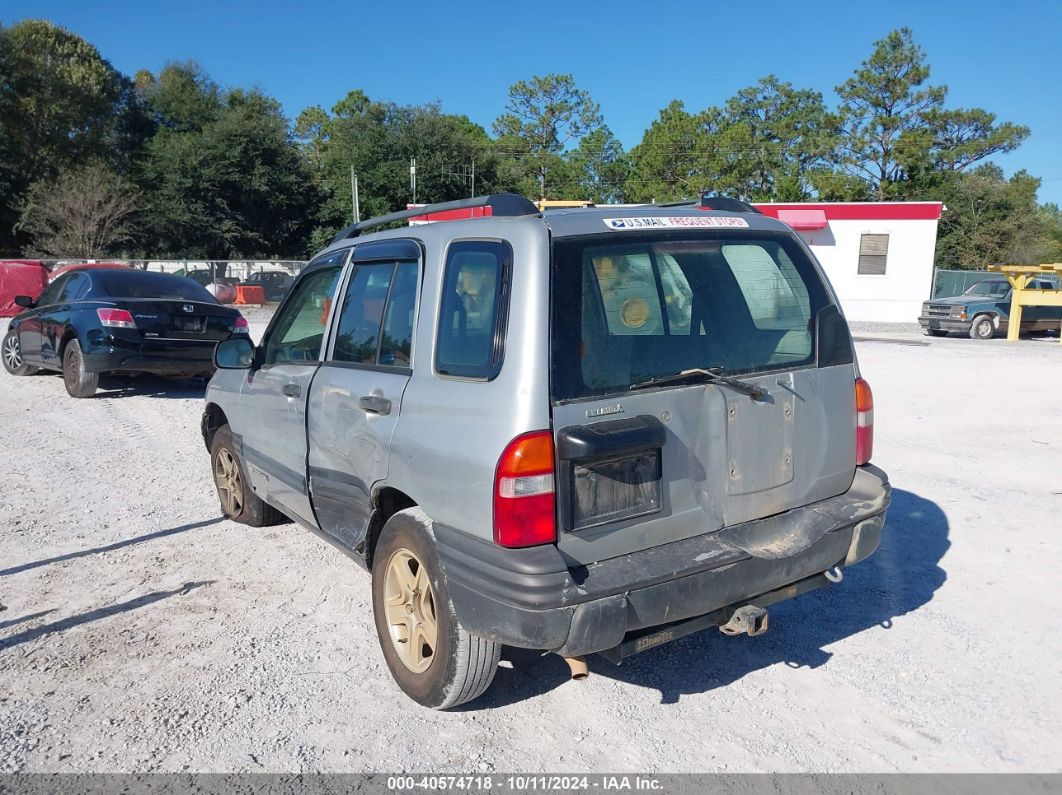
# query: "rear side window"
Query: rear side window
473,309
76,288
641,306
376,323
146,284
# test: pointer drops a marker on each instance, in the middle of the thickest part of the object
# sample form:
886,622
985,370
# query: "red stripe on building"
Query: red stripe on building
862,211
453,215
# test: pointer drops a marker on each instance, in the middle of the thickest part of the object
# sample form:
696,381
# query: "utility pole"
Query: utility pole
413,177
473,179
354,195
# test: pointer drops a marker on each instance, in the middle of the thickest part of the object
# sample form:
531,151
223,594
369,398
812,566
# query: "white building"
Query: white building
878,255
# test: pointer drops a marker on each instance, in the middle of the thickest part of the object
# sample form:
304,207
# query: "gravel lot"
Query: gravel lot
142,632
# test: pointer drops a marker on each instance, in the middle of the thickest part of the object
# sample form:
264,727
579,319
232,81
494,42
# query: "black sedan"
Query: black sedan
90,322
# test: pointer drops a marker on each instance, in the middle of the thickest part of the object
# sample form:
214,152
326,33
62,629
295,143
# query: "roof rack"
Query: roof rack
501,204
713,201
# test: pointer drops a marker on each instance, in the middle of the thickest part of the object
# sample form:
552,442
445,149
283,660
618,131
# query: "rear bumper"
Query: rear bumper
161,357
530,598
944,324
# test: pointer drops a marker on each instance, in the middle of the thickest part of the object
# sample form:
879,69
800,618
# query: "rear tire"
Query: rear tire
982,328
238,502
448,665
12,355
79,382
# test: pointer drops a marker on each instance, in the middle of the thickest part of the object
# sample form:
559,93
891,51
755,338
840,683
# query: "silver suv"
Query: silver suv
587,430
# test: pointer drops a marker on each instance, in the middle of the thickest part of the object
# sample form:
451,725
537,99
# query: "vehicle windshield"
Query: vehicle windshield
146,284
631,307
995,289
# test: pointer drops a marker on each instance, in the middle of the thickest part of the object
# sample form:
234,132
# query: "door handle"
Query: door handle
375,404
292,390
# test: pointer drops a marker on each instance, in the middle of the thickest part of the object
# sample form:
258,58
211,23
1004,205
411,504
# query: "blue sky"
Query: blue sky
632,57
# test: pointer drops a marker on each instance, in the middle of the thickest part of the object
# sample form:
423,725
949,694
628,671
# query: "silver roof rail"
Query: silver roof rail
506,205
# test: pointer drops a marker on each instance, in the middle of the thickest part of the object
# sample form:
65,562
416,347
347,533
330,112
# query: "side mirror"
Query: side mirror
25,301
236,353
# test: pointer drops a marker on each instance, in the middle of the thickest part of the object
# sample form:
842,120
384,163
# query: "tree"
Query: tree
62,105
543,118
82,213
378,140
599,168
671,161
894,128
781,136
993,220
223,176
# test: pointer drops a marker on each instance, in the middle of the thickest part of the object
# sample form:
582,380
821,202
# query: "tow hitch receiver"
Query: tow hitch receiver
748,620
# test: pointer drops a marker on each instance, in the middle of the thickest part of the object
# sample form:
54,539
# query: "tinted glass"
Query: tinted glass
358,334
77,287
994,289
146,284
644,306
397,340
300,323
52,291
471,318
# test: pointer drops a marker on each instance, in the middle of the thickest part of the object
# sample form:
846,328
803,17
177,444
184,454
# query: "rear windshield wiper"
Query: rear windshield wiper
715,375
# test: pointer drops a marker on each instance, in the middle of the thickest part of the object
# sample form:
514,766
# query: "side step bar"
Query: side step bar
732,619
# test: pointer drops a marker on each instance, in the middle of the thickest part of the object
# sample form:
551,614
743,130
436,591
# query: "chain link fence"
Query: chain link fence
949,282
946,282
205,271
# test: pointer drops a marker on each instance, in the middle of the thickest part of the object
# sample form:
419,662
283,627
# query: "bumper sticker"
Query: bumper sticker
675,222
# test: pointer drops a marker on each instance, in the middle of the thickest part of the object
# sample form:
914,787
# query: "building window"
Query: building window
873,251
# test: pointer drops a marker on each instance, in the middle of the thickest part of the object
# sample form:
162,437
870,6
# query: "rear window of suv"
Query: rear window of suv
633,307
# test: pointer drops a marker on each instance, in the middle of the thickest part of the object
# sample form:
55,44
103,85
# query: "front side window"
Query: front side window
472,316
298,331
643,306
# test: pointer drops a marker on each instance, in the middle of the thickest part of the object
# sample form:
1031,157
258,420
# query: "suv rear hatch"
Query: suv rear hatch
652,446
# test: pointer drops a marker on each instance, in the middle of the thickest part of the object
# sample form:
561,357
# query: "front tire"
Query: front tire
982,328
80,383
432,657
935,332
12,355
238,502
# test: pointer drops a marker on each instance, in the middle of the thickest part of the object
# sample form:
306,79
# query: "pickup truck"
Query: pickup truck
983,311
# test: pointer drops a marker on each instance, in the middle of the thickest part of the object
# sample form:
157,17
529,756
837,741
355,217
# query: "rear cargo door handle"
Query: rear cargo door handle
292,390
375,404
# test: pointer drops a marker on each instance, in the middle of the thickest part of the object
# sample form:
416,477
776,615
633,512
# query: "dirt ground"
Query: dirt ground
142,632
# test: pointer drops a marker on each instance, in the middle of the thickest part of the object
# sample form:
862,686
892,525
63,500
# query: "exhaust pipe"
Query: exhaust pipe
748,620
578,667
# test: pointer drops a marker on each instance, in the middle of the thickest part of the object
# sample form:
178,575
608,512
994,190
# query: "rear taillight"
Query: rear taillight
115,318
524,506
864,401
239,325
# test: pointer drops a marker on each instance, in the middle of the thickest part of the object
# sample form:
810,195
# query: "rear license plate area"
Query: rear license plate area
603,492
190,325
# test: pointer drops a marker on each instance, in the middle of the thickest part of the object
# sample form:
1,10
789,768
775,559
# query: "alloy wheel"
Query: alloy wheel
12,353
228,481
410,611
